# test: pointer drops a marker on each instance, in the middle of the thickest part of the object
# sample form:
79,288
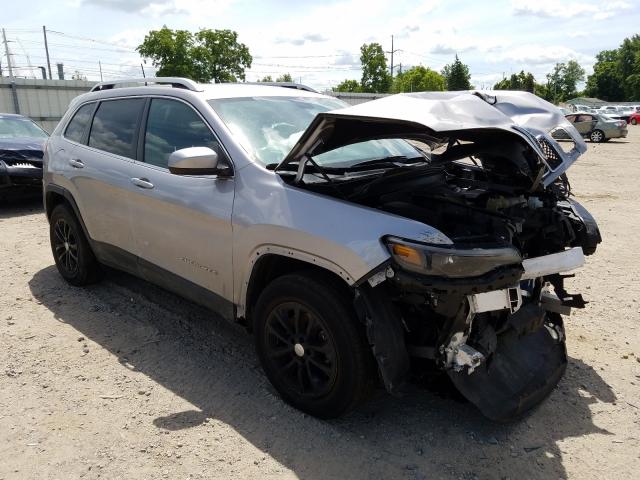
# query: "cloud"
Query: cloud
156,8
346,59
444,49
551,8
540,55
306,38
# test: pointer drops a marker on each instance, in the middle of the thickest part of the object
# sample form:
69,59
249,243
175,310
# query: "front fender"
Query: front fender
343,237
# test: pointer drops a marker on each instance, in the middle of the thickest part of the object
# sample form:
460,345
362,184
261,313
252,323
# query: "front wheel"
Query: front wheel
634,121
597,136
311,347
71,251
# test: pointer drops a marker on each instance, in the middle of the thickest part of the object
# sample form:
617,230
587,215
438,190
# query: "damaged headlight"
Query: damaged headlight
449,262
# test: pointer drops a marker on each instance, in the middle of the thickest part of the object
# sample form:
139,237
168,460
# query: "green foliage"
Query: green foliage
267,78
348,86
521,81
375,74
563,80
457,76
616,74
208,55
418,79
285,78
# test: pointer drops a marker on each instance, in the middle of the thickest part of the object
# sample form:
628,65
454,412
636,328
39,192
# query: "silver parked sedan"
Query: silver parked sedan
598,128
355,243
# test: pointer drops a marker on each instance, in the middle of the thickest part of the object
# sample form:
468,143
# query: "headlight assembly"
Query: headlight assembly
449,262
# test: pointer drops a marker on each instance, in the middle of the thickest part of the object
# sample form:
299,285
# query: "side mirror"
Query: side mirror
194,161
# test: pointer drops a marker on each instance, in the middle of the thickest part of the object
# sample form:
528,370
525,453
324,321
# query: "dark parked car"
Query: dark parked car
21,149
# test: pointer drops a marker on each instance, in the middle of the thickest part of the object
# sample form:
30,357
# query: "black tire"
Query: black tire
333,371
597,136
71,251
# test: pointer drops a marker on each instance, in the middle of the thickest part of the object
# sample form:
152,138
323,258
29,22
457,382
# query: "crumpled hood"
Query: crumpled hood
443,115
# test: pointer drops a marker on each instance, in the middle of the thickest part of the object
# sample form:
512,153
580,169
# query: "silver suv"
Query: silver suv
360,245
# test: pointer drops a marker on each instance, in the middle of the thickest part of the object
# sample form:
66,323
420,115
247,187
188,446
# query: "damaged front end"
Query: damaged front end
484,301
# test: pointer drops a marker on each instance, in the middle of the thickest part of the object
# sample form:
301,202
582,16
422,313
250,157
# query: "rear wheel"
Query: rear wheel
597,136
634,121
310,346
71,251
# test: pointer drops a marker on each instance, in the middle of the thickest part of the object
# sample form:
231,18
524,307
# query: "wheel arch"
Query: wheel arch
55,195
269,263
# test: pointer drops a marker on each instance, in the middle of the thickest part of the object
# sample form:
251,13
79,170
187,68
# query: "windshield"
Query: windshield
269,127
20,127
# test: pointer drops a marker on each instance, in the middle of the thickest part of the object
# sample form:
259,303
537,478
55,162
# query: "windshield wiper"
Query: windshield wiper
394,161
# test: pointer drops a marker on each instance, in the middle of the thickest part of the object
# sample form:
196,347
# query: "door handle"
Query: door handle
142,182
76,163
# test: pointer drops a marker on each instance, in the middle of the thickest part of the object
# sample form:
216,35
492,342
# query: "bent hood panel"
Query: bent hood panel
443,114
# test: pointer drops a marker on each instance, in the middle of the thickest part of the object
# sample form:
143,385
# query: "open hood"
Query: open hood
447,115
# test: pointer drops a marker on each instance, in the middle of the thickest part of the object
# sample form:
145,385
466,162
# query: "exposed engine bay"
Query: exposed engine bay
487,306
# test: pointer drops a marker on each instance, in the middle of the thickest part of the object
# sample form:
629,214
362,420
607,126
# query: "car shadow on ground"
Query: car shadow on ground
18,207
211,364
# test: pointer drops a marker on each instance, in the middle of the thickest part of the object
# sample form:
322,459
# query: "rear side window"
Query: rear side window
79,122
171,126
115,126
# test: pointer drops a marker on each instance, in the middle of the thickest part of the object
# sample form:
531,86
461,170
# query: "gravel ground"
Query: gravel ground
122,380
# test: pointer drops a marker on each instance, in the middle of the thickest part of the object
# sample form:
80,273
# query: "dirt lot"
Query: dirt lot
122,380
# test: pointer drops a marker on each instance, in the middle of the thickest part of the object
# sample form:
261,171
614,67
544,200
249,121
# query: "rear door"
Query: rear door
181,223
101,172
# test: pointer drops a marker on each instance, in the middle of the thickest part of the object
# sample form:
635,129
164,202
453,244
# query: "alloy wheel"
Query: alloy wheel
300,349
65,246
596,136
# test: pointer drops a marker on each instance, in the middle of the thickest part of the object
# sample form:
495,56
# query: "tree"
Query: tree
606,80
457,76
563,80
348,86
521,81
267,78
375,75
208,55
285,78
418,79
616,74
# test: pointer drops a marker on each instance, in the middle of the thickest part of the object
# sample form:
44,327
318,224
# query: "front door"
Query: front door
181,223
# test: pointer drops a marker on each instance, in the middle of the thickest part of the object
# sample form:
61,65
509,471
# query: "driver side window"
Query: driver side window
171,126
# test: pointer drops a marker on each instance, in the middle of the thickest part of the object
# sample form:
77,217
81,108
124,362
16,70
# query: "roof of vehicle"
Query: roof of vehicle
237,90
11,115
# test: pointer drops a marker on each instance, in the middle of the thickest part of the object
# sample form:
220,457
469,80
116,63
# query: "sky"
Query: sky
318,42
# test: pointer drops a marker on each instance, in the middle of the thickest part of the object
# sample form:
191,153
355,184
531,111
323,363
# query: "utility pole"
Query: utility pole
143,75
100,65
46,49
6,49
392,52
